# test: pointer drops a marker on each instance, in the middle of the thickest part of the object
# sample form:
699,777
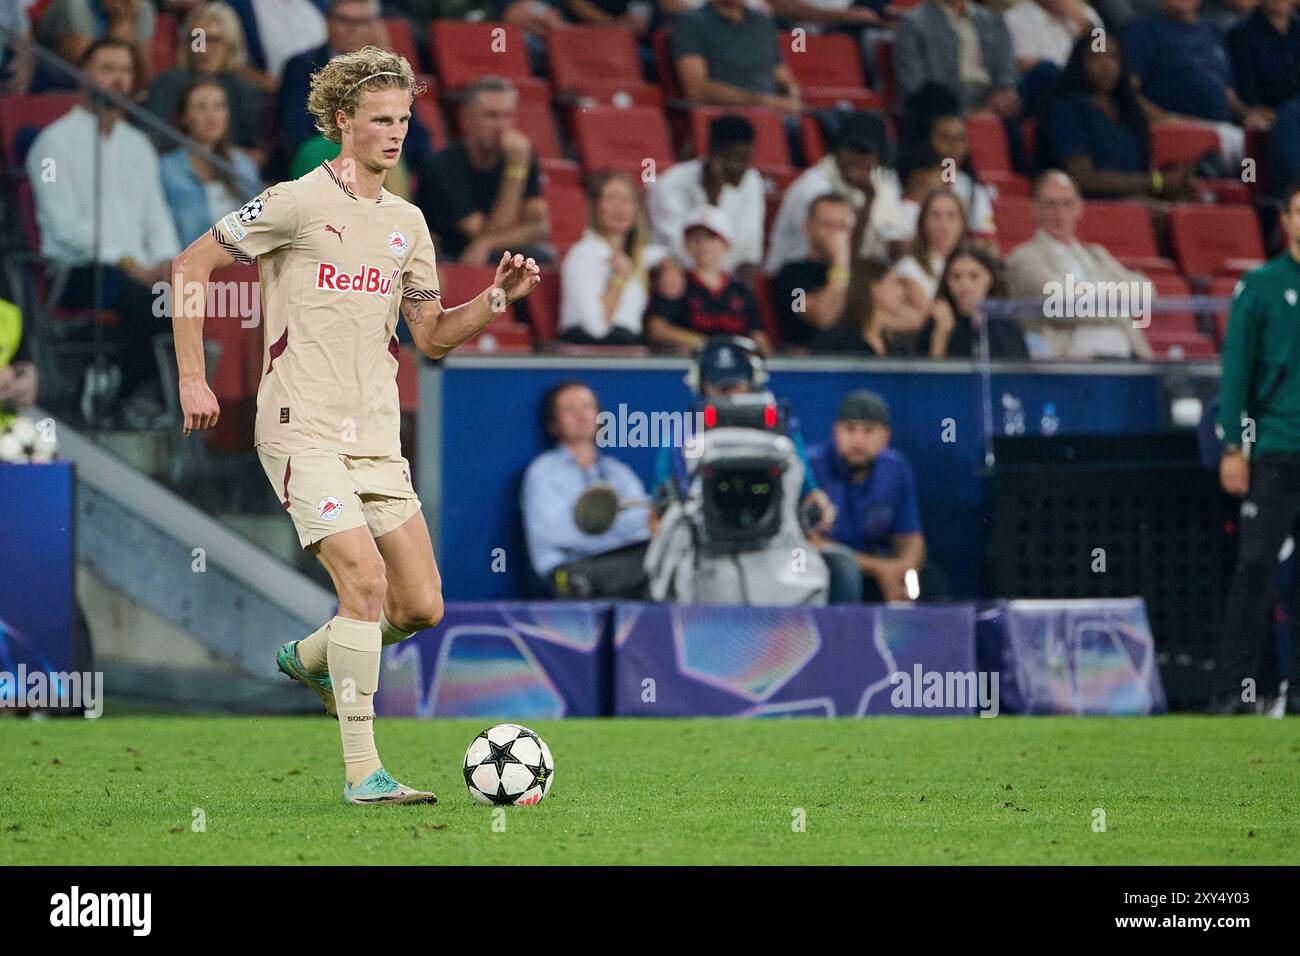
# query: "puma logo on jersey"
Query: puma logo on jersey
338,232
368,279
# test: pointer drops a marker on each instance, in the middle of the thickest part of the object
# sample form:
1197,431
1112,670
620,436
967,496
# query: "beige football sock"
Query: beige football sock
391,635
354,671
313,650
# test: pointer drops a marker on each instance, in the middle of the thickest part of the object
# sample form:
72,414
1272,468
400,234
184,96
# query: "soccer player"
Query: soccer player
338,257
1259,424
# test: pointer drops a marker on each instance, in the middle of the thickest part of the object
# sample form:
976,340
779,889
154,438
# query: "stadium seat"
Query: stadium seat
505,333
537,122
766,313
426,107
29,112
990,154
464,52
829,69
599,61
771,147
661,41
1215,240
884,54
1124,229
1014,220
165,42
402,41
1176,142
623,139
811,139
566,205
1222,286
543,305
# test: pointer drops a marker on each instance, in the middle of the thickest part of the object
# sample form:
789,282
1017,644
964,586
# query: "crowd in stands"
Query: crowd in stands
878,229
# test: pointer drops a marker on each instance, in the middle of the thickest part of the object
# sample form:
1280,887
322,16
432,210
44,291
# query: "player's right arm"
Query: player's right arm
191,271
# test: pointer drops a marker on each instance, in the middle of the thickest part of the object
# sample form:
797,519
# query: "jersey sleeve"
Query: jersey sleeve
420,276
263,224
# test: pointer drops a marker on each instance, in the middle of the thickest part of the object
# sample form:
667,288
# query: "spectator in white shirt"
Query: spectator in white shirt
855,172
932,117
130,233
940,226
1045,30
724,178
603,283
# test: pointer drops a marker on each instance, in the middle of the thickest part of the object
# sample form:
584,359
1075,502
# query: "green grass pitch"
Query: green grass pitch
1174,790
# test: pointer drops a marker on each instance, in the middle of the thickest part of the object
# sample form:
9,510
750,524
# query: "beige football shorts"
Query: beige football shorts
326,492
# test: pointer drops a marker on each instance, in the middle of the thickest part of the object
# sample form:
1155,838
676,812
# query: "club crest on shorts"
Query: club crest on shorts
329,508
397,242
250,211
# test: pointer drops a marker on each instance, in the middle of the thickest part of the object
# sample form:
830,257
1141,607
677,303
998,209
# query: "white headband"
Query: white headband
371,77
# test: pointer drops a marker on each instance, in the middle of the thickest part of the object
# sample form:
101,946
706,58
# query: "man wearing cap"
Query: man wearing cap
707,300
725,178
732,365
876,538
854,171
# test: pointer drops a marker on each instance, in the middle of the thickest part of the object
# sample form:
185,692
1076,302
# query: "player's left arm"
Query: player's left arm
436,331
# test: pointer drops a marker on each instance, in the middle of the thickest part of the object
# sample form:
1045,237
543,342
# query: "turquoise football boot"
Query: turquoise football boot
379,788
287,660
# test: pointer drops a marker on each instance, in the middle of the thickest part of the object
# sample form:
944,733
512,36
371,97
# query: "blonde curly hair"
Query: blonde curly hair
340,84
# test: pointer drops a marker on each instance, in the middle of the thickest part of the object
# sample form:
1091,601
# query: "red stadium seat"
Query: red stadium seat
426,107
812,140
661,41
1124,229
766,313
30,111
829,69
594,60
884,53
165,43
1014,220
771,148
1176,335
464,52
612,138
1215,240
402,41
1176,142
566,205
506,333
990,154
543,305
537,122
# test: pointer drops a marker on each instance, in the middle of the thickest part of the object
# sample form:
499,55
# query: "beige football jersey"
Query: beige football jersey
333,269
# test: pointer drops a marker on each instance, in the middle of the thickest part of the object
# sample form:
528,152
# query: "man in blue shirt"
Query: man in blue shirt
876,544
1179,59
552,484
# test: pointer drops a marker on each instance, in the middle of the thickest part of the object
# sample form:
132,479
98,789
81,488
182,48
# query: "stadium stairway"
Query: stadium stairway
183,612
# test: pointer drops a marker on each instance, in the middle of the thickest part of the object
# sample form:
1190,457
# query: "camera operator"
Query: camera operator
732,365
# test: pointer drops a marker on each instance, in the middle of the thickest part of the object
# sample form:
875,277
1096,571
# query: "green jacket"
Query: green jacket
1261,359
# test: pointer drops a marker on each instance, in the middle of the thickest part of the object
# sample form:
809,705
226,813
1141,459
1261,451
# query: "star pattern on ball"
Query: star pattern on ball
500,756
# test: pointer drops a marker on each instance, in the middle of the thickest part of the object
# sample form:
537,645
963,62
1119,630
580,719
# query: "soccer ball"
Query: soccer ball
508,764
22,440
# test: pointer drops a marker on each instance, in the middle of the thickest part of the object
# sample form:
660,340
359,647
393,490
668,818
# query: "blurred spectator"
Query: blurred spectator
552,484
17,62
18,379
876,538
69,27
276,31
1265,52
1095,128
483,193
809,294
1056,258
1045,30
728,54
940,226
130,233
962,46
970,276
350,25
878,320
707,300
1179,60
722,178
853,171
199,194
212,47
624,13
932,115
603,282
844,15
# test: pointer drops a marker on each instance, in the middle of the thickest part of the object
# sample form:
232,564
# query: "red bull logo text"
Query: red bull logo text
368,279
